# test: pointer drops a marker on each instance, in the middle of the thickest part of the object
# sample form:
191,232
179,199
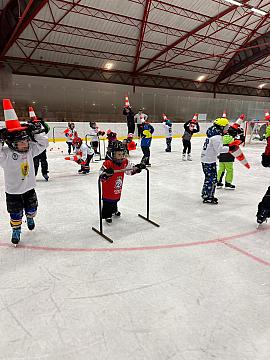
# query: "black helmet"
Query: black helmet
116,146
12,139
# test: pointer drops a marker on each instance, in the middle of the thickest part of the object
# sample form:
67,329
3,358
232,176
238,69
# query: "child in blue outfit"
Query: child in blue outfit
147,131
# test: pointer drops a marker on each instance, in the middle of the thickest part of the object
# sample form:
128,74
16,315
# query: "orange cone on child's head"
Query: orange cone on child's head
32,114
224,115
195,117
127,104
266,116
11,119
240,119
164,117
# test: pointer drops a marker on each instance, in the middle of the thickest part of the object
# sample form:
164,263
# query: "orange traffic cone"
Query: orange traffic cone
127,104
195,117
239,155
224,115
164,117
11,119
266,116
240,119
32,114
73,158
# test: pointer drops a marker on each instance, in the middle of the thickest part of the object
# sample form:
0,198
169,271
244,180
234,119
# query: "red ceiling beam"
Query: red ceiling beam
254,51
70,7
13,22
142,31
189,34
66,71
93,53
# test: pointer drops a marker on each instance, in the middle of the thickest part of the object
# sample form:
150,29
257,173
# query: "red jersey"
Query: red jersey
112,187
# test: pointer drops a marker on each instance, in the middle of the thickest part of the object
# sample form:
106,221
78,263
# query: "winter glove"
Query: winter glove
79,161
265,160
232,148
140,166
101,133
3,134
109,171
45,126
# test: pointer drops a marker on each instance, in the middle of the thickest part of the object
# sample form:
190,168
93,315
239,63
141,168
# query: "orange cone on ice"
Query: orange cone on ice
127,104
32,114
11,119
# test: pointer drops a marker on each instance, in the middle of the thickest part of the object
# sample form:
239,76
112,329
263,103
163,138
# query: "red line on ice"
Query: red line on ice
143,248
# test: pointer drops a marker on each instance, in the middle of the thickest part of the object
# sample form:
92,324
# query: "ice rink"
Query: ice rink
197,288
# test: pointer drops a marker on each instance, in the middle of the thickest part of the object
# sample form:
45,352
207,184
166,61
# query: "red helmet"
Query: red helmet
77,142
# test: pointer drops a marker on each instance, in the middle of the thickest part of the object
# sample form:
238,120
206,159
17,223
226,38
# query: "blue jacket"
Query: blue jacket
147,132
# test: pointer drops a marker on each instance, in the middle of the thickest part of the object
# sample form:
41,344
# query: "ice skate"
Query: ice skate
219,185
262,216
108,220
189,157
117,213
168,150
229,186
46,177
210,200
30,223
16,236
184,157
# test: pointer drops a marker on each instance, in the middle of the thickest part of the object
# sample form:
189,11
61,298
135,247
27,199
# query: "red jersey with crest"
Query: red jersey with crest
112,187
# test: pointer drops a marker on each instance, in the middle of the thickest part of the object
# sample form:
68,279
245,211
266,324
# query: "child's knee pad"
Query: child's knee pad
31,212
16,219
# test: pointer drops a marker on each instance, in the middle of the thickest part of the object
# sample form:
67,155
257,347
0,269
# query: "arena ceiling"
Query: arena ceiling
201,45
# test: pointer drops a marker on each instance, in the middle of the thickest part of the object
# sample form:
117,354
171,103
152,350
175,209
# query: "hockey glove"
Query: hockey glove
3,134
109,171
140,166
232,148
265,160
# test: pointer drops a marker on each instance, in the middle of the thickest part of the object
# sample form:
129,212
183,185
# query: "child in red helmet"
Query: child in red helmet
112,179
129,143
70,134
84,155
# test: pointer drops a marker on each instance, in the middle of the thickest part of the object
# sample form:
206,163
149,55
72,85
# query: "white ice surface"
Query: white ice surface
65,295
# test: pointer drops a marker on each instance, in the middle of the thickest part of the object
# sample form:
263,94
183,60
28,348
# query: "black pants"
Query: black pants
86,167
69,144
140,129
94,145
108,209
16,203
265,203
168,143
146,154
131,127
41,158
186,146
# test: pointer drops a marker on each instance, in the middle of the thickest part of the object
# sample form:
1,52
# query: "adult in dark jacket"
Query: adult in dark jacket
127,111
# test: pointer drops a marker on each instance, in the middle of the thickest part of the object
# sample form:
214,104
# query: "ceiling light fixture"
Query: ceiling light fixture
201,78
234,2
261,86
108,66
257,11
